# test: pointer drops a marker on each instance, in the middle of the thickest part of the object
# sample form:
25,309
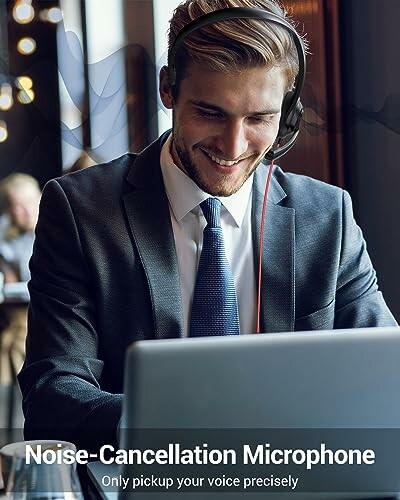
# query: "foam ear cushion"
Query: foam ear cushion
290,116
288,127
294,117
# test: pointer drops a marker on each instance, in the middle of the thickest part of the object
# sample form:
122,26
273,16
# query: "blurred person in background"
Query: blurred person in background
20,196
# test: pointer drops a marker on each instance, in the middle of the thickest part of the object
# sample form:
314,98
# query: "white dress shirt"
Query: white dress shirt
188,223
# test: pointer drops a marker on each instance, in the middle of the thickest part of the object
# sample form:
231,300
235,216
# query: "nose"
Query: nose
234,141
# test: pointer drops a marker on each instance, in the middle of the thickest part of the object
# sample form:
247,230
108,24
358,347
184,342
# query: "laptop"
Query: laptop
285,391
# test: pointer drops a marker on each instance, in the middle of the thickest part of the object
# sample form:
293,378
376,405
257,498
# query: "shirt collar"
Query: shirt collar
184,195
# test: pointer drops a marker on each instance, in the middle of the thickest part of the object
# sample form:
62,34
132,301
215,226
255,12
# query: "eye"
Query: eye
262,119
212,115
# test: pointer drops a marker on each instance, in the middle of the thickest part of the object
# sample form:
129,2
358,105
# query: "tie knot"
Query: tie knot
211,208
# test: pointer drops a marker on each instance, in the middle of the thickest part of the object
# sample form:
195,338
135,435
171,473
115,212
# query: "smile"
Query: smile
220,161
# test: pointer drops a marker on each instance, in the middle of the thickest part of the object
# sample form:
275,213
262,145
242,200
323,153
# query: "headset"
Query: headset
292,109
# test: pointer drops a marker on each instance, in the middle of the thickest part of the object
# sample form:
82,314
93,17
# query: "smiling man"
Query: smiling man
224,123
163,243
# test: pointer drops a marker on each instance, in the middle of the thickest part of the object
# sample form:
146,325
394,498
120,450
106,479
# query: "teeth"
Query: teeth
224,163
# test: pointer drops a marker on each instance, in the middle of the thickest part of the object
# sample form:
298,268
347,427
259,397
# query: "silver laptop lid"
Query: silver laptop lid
346,379
341,378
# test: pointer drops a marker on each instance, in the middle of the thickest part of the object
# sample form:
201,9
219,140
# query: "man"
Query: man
21,196
118,245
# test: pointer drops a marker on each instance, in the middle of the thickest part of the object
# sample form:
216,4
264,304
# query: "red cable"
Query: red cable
263,216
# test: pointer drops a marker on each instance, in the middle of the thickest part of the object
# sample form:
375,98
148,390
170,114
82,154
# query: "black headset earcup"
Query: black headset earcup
288,127
290,116
294,117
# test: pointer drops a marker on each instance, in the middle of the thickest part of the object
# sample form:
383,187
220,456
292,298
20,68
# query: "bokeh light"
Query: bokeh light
23,12
55,15
52,15
24,82
26,46
26,96
6,99
3,131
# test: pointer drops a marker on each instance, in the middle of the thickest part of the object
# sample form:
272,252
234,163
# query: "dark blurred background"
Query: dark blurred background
90,88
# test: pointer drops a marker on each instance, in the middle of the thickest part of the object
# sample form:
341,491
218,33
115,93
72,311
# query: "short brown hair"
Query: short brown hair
235,44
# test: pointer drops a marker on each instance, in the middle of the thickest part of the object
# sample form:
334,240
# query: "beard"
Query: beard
223,186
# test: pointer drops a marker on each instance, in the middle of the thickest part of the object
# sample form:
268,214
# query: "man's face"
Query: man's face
223,124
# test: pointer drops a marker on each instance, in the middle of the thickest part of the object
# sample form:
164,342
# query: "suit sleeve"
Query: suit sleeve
60,380
359,303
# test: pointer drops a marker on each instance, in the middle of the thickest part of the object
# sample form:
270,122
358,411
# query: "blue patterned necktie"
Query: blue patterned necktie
214,308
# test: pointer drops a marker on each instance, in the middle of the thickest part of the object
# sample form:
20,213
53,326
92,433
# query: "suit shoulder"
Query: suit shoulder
114,168
304,190
98,178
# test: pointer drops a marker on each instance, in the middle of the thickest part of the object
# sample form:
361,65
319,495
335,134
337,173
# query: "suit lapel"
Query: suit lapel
148,215
278,262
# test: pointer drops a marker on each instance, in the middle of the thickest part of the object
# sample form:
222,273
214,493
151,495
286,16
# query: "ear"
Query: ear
165,88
